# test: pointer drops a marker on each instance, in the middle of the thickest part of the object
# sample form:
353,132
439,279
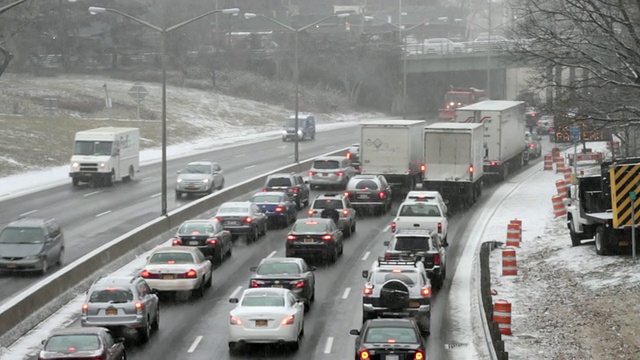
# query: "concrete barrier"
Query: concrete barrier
20,313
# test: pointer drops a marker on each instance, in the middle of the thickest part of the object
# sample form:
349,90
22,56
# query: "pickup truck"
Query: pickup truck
421,215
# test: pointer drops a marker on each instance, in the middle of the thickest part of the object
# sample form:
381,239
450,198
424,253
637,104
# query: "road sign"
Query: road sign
51,104
574,134
632,195
138,92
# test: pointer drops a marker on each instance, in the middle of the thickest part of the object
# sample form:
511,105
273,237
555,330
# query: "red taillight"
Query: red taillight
292,237
212,241
425,291
364,355
145,274
85,307
295,190
494,163
288,320
393,227
234,321
310,212
339,173
471,169
349,156
327,237
387,256
265,190
297,284
248,219
176,242
345,212
532,145
382,195
347,194
436,259
423,168
419,355
311,173
279,209
368,290
217,219
439,228
256,283
191,274
139,307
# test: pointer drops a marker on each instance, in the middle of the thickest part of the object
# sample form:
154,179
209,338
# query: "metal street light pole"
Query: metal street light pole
163,32
296,70
488,91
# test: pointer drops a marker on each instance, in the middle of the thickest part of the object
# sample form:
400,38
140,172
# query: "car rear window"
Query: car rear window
22,235
309,227
266,199
326,164
412,243
233,210
71,343
278,268
263,301
196,169
322,204
420,210
366,185
111,295
195,228
171,258
399,335
283,181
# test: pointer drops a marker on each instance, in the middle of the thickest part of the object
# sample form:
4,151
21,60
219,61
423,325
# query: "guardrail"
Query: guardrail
25,310
494,339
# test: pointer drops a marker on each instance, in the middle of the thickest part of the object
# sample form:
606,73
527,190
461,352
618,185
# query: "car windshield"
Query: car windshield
412,243
92,148
327,204
279,181
70,343
457,98
309,227
233,210
436,41
326,164
266,199
195,228
398,335
196,169
111,295
420,210
171,258
278,268
263,301
20,235
366,185
382,277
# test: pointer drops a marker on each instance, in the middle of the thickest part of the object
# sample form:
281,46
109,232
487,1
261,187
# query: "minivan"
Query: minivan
306,127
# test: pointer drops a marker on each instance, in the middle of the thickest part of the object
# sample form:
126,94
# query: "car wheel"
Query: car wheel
353,227
199,292
75,181
575,239
347,231
296,344
298,204
312,298
130,175
229,252
221,184
210,281
178,194
156,320
144,333
44,266
233,347
124,355
110,179
60,261
334,255
264,229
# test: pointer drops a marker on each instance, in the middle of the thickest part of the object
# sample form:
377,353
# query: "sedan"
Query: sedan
82,343
199,177
534,145
289,273
280,210
389,339
170,269
243,218
266,316
315,237
207,235
442,46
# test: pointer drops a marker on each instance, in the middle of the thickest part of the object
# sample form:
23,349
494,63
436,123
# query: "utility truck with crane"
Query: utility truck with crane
459,97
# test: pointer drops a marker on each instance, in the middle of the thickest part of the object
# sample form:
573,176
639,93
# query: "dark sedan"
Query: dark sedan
82,343
242,218
383,339
315,237
277,206
289,273
208,235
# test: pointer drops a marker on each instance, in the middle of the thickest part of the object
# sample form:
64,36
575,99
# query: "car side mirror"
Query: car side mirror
386,243
43,342
312,268
365,273
253,268
306,181
119,339
354,332
233,300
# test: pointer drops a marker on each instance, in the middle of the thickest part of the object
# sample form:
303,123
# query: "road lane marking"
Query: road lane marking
272,253
155,195
366,255
104,213
195,344
28,213
92,193
330,147
346,293
146,178
327,347
235,292
249,167
240,155
386,229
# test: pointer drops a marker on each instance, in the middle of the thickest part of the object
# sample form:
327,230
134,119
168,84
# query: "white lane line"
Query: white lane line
104,213
235,292
146,178
346,293
155,195
249,167
386,229
193,346
272,254
366,255
240,155
92,193
327,347
330,147
28,213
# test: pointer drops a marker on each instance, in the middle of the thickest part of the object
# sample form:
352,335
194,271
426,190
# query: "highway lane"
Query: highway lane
91,217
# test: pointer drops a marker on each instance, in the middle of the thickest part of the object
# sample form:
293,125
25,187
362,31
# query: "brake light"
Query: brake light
295,190
423,168
392,341
288,320
191,274
382,195
279,209
217,219
212,241
340,173
139,307
310,212
234,321
85,307
256,283
349,156
471,169
439,228
364,354
494,163
298,284
292,237
393,227
347,194
419,355
532,145
265,190
311,173
387,256
327,237
368,290
345,212
425,291
436,259
145,274
248,219
176,241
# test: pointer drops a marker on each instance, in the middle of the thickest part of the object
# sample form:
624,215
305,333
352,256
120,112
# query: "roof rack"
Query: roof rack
383,261
408,256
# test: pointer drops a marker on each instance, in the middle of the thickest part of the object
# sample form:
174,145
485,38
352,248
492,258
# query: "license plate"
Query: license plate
277,286
325,174
111,312
193,243
261,323
191,187
167,277
392,357
233,222
364,196
414,304
11,265
309,240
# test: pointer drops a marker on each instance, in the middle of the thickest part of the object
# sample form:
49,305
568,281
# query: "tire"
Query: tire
156,320
353,227
334,255
60,261
130,176
109,180
144,333
230,251
124,355
233,347
294,346
75,182
254,236
347,231
178,194
209,282
45,266
365,317
575,238
298,204
601,245
265,228
313,294
199,292
394,295
221,184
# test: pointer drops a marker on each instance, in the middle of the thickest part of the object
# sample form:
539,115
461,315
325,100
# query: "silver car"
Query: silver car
442,46
534,145
199,177
331,171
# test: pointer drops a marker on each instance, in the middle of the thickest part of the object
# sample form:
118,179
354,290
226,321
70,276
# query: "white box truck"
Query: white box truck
105,155
453,162
392,148
505,125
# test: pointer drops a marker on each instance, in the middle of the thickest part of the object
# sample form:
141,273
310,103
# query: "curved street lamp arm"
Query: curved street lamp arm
227,11
133,18
282,25
317,22
7,7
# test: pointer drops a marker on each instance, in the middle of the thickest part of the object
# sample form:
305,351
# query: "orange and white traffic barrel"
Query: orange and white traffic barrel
509,262
559,164
548,162
502,316
514,235
561,186
555,152
567,177
558,206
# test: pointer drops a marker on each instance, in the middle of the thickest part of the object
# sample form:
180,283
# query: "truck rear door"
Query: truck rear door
385,150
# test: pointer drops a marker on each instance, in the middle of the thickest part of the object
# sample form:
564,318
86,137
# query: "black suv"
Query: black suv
293,185
31,244
369,192
122,302
421,245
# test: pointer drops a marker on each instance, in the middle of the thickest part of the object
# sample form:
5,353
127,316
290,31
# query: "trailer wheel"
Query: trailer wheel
602,247
575,238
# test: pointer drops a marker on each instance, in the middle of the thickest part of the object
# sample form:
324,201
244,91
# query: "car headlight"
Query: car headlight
102,165
75,165
204,181
299,132
284,132
179,181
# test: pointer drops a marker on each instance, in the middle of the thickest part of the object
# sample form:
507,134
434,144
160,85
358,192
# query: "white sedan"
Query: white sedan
178,269
266,316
